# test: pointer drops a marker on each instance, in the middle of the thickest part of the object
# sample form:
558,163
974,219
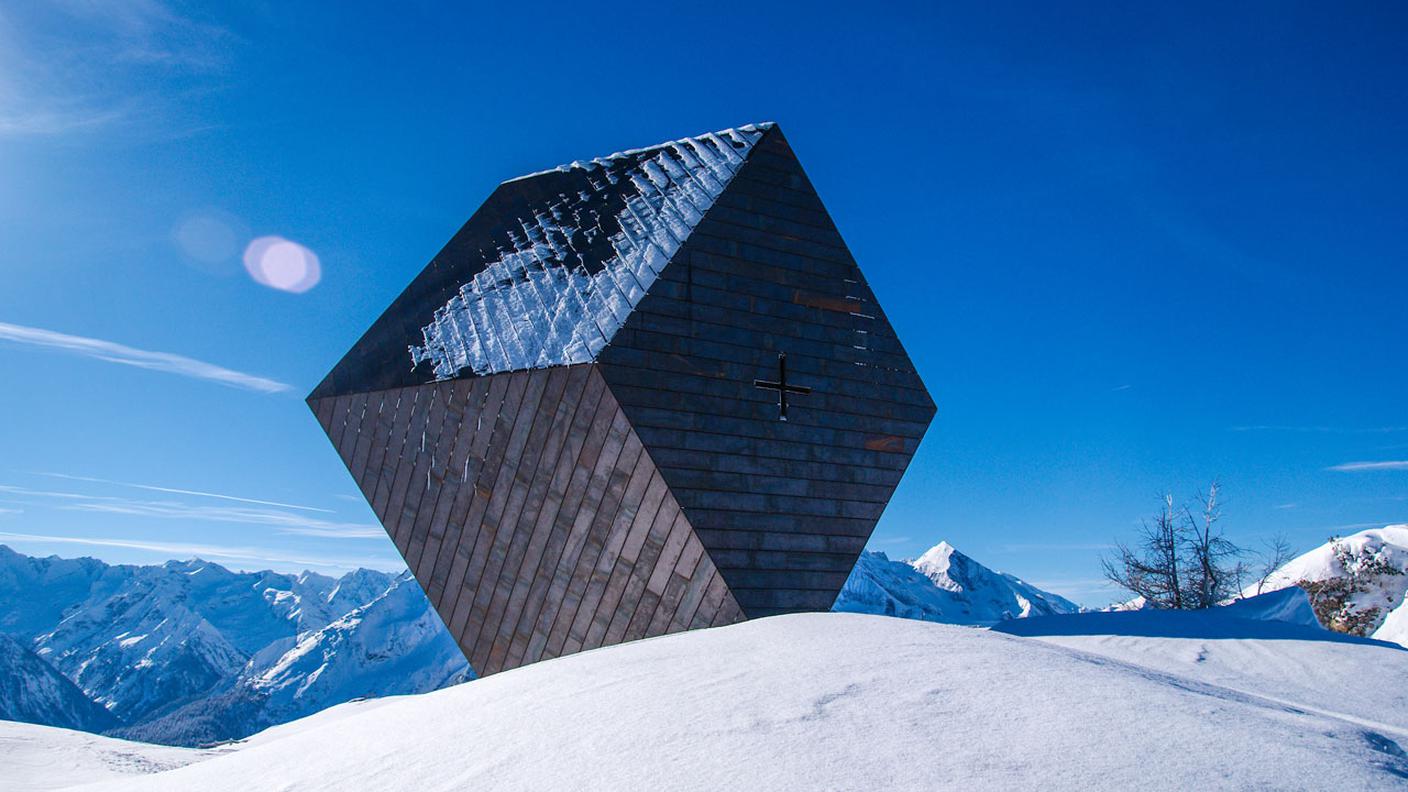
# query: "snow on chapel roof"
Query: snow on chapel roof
570,269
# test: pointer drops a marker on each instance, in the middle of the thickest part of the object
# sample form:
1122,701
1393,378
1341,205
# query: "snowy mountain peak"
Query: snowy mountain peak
943,585
937,561
937,556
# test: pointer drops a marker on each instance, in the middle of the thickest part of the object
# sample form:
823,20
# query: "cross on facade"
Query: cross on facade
781,386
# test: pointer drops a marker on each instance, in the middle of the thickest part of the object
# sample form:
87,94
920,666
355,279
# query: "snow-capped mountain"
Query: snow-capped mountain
943,585
147,639
1359,582
390,646
32,691
177,652
35,592
141,649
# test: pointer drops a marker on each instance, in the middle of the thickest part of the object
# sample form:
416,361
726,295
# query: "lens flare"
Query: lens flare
282,264
209,240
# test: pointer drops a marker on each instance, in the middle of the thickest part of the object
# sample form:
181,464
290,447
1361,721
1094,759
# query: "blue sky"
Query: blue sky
1131,249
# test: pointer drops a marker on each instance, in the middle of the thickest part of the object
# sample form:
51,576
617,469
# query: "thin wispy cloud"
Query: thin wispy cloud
42,494
286,522
74,66
111,352
1361,467
1320,429
176,491
1361,526
57,120
209,551
1286,506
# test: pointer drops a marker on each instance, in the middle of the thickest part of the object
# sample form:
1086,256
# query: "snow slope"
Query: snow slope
32,691
34,758
845,701
943,585
1269,647
1389,593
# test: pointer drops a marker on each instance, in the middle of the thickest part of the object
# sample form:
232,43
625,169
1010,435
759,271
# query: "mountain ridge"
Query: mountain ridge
32,691
157,647
943,585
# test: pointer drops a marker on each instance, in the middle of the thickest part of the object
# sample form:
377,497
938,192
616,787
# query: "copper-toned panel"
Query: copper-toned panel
584,494
498,515
501,460
522,535
465,418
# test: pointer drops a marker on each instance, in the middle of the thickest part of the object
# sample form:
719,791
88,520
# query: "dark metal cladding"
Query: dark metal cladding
783,506
644,484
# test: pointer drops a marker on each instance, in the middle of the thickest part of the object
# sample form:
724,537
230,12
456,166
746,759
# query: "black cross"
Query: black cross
781,386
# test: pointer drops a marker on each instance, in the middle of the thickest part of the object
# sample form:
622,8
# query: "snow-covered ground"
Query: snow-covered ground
845,701
34,757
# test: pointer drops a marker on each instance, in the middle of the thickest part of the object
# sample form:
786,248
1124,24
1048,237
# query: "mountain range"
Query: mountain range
189,652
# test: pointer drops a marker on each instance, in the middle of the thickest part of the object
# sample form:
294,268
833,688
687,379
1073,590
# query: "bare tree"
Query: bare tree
1277,554
1216,568
1182,560
1152,569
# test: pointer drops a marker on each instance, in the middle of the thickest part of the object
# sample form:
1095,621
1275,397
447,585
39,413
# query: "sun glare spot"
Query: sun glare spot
281,264
209,240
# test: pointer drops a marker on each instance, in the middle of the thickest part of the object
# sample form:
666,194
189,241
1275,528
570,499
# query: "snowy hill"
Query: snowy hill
1368,571
39,758
844,701
943,585
159,646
